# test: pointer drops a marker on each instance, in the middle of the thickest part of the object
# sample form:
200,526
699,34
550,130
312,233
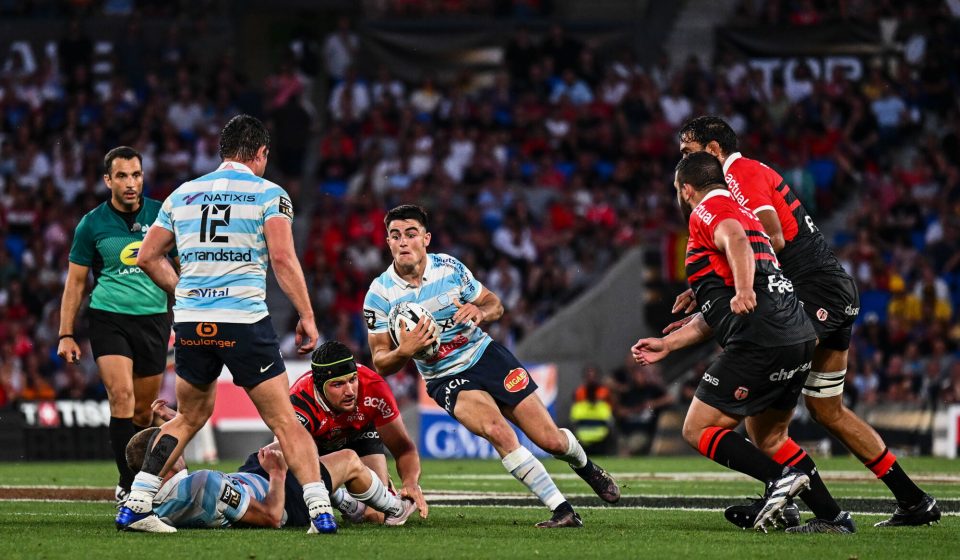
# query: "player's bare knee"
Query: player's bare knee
143,417
691,434
498,433
120,400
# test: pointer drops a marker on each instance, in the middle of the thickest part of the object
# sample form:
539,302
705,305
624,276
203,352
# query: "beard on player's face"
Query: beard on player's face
686,209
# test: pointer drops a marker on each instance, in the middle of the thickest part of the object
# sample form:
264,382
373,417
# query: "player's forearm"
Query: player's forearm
388,362
161,272
694,332
740,257
70,304
492,310
275,498
290,277
408,466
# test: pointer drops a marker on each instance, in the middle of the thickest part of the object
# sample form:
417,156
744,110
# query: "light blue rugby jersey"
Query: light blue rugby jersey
218,223
445,279
208,498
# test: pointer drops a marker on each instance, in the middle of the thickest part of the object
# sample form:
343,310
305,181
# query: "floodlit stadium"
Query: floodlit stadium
467,278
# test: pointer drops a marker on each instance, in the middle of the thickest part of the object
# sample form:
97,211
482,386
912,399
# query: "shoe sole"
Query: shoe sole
399,521
151,524
801,483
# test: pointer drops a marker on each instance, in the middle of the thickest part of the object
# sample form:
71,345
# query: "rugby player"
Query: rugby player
128,322
768,343
477,381
214,499
346,405
228,226
831,301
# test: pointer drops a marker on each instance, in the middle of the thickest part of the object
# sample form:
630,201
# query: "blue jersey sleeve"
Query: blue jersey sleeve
163,215
376,309
470,287
276,202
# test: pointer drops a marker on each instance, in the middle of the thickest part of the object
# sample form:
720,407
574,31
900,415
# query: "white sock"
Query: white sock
317,499
145,486
379,498
575,454
528,470
342,500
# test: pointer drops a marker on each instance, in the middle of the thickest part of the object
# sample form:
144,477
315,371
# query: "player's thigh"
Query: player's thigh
479,413
272,399
378,464
702,415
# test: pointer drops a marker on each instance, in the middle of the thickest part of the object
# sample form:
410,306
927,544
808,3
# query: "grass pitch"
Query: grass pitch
53,529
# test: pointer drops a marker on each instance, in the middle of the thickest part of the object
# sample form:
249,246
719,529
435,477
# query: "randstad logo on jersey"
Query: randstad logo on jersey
128,255
208,292
221,255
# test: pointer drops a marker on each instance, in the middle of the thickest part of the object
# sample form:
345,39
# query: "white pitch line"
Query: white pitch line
697,476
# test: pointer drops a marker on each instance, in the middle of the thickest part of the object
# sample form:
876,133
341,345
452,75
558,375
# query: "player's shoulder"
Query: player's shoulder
445,261
303,383
748,167
368,376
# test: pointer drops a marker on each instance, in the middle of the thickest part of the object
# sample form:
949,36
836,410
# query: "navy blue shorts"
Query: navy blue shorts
497,372
251,352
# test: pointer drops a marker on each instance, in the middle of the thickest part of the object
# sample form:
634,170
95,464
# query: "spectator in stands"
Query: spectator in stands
340,49
637,409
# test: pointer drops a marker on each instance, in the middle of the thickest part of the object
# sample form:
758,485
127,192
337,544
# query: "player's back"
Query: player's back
218,221
758,187
208,498
778,319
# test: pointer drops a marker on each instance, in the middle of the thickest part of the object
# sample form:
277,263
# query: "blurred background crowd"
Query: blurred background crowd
538,173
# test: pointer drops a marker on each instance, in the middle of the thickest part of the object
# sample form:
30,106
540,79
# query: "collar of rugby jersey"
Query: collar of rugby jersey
235,166
711,194
169,486
401,282
730,159
321,401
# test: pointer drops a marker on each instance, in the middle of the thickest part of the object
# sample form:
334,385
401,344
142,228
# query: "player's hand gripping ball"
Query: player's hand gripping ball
406,315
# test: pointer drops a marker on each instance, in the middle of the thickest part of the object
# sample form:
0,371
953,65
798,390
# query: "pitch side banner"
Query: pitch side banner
442,437
776,50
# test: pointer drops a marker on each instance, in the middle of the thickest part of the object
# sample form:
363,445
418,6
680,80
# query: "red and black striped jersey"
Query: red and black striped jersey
758,188
779,319
376,406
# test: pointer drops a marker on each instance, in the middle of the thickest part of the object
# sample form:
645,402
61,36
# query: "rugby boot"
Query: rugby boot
843,524
562,517
600,481
924,513
409,506
779,493
745,515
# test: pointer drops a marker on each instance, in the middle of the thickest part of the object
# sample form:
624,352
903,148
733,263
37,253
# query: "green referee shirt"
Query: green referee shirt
108,241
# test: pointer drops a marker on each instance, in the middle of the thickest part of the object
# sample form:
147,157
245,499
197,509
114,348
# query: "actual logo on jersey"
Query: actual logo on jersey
516,380
128,255
370,317
207,330
741,393
822,314
230,496
386,411
286,207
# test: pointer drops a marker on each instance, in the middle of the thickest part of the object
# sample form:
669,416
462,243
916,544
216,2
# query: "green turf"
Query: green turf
57,530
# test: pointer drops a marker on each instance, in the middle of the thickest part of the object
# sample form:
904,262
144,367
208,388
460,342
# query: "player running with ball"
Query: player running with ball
478,381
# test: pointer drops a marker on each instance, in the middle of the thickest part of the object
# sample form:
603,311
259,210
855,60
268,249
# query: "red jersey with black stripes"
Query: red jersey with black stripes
778,319
331,430
758,188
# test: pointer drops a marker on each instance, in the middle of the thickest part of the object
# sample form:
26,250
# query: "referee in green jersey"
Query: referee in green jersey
128,323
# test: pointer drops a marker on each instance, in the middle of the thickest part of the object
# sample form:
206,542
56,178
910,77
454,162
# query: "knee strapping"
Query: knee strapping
821,384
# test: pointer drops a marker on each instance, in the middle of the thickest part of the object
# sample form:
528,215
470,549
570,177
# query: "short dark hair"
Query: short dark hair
138,446
241,137
704,130
406,212
120,152
700,170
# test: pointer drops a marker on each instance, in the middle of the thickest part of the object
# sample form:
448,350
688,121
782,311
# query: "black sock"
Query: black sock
121,430
888,469
586,469
564,507
733,451
817,498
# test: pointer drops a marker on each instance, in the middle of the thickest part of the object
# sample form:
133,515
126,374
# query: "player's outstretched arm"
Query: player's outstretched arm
404,451
152,258
286,267
652,350
269,512
732,240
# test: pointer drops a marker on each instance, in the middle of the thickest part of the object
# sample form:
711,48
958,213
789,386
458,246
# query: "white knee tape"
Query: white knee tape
821,385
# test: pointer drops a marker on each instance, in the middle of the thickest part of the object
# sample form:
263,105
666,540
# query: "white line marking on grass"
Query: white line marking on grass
645,508
705,476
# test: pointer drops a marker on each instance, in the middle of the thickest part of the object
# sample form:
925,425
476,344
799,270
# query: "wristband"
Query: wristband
63,336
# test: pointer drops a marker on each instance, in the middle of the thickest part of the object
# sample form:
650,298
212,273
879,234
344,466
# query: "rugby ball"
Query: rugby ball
405,315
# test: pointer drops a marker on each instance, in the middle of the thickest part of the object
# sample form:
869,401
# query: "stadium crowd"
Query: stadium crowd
538,176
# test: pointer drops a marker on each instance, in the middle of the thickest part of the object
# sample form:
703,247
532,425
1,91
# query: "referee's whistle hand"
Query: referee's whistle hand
69,350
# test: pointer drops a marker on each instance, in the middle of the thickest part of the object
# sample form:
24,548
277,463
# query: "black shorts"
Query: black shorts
365,443
142,338
251,352
747,379
298,515
497,372
832,302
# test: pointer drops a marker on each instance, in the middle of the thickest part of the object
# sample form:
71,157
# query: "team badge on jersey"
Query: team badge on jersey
370,317
822,314
286,207
230,496
741,393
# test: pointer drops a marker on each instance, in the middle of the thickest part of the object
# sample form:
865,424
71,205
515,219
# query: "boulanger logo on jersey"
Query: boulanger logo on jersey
128,255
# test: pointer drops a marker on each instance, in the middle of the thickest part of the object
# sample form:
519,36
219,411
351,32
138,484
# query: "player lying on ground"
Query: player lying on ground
767,345
345,405
831,301
209,498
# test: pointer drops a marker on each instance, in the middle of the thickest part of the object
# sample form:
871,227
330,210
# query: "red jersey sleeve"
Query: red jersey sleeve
753,184
304,404
378,397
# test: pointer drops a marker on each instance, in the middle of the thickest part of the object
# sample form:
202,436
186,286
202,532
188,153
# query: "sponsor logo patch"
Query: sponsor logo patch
208,292
286,207
128,255
303,419
741,393
370,317
207,330
230,496
711,379
516,380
